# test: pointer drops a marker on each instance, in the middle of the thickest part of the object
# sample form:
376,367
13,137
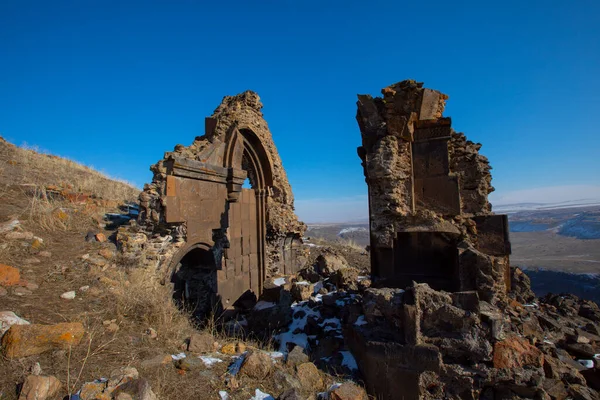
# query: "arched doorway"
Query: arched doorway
195,283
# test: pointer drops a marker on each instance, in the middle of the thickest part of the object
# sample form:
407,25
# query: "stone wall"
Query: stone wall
197,200
428,186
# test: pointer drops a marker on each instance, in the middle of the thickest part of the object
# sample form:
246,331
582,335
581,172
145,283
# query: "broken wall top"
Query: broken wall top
240,113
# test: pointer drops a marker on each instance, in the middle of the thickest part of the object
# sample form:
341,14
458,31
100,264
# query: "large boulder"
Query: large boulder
26,340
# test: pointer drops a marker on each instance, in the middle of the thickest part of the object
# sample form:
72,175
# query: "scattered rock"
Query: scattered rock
302,291
516,352
309,376
38,387
45,254
190,364
257,365
21,291
157,361
9,276
3,292
106,253
202,342
84,288
151,332
9,225
31,286
68,295
31,260
328,263
297,356
348,391
25,340
100,237
8,319
19,236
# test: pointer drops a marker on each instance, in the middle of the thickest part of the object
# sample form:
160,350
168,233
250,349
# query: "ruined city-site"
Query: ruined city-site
210,286
441,313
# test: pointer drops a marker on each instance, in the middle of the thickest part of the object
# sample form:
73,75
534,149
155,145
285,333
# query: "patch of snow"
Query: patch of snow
297,325
360,321
586,363
352,229
210,361
179,356
349,360
223,395
260,395
534,305
303,283
8,319
362,277
311,245
263,305
276,355
279,281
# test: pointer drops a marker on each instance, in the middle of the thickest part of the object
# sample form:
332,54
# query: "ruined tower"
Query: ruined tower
430,218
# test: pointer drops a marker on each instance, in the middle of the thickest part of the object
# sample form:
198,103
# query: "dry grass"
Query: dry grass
28,165
141,299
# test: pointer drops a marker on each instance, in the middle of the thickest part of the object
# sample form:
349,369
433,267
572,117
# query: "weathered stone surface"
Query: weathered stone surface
25,340
309,376
8,319
516,352
328,263
302,291
197,197
428,189
37,387
202,342
297,356
257,365
348,391
9,276
345,278
520,285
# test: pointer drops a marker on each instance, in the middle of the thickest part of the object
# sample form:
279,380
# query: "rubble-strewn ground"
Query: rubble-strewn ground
104,329
47,208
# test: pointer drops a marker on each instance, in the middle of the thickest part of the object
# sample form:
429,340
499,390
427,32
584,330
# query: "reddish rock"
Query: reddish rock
38,387
348,391
100,237
25,340
9,276
516,352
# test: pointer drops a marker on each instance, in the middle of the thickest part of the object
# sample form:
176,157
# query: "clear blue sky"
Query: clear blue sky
114,84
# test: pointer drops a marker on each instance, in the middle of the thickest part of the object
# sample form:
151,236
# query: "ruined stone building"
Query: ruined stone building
428,188
206,230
